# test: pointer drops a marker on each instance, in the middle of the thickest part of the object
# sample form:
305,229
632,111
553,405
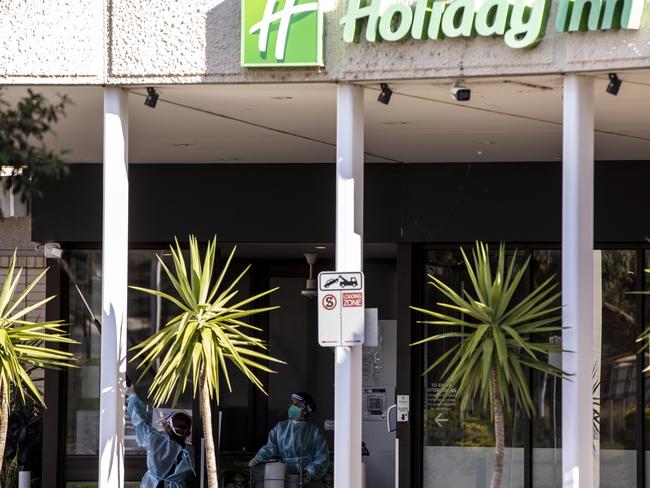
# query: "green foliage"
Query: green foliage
9,473
23,151
493,331
21,340
207,334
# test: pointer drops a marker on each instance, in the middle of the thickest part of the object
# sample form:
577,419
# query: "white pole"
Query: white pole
114,289
349,257
577,281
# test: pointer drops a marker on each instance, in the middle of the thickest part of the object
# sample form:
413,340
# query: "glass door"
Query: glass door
458,450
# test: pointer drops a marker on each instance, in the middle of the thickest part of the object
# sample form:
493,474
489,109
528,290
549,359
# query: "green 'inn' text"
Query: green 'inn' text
521,23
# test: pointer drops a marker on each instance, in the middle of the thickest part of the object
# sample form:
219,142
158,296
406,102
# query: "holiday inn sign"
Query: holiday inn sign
278,33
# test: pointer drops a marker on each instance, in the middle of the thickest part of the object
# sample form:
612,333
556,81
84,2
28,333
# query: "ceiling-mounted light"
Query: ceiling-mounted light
460,92
386,93
152,98
310,290
614,84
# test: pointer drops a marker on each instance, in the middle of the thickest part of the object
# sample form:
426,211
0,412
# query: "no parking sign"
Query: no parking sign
341,305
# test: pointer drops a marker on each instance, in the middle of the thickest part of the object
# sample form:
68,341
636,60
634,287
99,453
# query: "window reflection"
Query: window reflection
618,370
460,450
146,315
646,304
547,391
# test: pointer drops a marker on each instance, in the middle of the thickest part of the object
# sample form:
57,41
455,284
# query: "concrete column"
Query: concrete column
577,281
349,257
114,289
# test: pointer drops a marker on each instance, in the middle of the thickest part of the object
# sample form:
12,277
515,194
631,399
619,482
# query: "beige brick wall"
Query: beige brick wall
32,267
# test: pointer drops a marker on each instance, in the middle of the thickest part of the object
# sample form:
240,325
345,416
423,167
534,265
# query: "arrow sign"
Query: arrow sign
438,420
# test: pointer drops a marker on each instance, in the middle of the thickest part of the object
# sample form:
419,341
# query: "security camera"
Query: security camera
460,92
52,250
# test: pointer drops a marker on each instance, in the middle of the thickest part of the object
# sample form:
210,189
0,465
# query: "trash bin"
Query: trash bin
277,474
274,475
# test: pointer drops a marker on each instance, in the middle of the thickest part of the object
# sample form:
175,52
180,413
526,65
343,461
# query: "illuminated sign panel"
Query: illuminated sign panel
277,33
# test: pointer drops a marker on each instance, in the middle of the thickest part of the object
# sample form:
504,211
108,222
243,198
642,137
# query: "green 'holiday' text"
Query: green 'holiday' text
521,23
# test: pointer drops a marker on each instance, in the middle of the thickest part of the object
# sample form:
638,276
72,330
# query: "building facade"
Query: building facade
327,127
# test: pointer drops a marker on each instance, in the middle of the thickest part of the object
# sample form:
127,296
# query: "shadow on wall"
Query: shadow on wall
222,37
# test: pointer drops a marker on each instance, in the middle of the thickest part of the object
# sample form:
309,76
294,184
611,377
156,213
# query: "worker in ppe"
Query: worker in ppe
169,460
297,440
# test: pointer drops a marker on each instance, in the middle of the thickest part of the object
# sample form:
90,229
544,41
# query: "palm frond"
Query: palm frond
22,341
493,331
209,335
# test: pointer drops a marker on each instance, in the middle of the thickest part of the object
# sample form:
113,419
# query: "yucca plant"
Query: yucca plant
9,473
22,345
494,337
208,335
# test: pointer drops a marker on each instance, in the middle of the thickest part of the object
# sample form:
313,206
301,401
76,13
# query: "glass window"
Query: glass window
547,391
458,450
83,383
236,420
293,337
147,315
646,302
618,370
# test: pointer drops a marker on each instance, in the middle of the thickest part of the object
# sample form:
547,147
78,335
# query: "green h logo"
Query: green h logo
281,33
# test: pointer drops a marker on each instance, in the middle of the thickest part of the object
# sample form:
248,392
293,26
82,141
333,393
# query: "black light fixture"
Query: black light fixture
614,84
386,93
152,98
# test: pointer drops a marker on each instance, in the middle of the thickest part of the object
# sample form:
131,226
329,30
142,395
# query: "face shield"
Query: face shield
302,402
179,431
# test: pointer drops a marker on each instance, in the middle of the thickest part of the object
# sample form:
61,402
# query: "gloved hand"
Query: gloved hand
306,477
129,391
253,462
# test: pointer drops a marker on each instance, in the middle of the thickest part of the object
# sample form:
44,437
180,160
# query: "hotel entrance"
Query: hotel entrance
255,164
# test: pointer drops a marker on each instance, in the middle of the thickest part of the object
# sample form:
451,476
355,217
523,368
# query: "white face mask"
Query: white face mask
179,433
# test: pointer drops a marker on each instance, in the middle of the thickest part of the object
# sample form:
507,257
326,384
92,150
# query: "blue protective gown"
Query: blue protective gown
162,451
293,441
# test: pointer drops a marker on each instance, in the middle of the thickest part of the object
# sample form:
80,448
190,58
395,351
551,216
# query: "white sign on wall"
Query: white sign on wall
403,408
341,308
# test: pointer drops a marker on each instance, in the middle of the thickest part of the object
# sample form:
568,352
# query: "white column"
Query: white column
349,257
114,289
577,281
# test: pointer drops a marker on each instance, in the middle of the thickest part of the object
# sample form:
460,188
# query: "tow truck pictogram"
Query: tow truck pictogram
343,283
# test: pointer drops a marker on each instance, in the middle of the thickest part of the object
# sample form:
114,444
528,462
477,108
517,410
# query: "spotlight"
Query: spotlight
386,93
152,98
614,84
460,92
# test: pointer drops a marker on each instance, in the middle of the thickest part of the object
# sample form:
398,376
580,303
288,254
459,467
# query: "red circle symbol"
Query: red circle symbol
329,302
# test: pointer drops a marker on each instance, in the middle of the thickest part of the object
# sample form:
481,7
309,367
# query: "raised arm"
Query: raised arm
140,420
